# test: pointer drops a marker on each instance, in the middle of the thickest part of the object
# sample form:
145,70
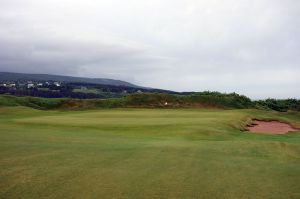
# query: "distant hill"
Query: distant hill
8,76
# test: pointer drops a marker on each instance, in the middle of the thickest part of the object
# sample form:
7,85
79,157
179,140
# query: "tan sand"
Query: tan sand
270,127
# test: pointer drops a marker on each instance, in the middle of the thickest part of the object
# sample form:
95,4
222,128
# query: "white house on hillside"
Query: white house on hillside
30,85
56,84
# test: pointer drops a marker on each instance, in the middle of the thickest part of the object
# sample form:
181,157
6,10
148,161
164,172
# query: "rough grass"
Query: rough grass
145,153
143,100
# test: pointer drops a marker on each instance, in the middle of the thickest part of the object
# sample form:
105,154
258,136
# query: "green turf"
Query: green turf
145,153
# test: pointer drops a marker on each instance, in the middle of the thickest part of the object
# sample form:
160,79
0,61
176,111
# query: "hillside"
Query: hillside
7,76
55,86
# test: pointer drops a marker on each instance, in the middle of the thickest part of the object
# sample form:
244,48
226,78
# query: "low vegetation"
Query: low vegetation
33,102
281,105
156,100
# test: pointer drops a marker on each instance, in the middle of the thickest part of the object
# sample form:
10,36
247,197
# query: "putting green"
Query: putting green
145,153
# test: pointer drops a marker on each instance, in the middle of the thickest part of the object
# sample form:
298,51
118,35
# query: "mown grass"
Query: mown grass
145,153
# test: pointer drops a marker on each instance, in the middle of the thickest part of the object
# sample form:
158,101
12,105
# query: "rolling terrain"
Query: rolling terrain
57,86
146,153
8,76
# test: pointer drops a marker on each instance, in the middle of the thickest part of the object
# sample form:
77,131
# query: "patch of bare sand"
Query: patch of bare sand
270,127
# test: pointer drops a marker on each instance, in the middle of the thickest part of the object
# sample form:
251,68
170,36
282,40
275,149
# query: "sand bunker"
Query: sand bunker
270,127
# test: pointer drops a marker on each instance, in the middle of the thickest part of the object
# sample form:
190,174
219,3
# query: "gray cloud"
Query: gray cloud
247,46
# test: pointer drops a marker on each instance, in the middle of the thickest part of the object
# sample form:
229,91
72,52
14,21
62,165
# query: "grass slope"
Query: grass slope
145,153
146,100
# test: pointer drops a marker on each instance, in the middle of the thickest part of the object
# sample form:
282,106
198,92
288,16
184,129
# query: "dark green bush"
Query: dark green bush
232,100
281,105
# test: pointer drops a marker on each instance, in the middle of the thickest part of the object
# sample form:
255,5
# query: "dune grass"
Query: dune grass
145,153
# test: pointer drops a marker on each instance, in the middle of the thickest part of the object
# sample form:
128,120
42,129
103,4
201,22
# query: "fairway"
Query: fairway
145,153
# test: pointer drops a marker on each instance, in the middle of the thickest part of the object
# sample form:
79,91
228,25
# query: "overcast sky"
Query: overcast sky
248,46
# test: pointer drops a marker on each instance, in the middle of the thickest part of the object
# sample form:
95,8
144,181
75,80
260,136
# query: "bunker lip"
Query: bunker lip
270,127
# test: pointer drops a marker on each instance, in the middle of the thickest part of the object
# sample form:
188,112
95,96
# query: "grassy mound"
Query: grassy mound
204,99
33,102
155,100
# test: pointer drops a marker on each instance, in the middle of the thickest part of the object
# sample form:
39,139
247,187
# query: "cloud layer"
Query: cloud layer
246,46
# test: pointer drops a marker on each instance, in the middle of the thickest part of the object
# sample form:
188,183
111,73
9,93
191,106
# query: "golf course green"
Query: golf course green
136,153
